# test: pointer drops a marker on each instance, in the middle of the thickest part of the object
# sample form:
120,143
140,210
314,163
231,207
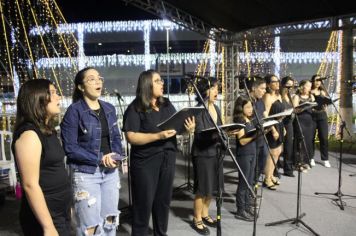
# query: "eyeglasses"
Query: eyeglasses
159,81
93,80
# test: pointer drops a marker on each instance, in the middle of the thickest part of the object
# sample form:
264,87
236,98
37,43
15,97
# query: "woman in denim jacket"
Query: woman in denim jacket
91,138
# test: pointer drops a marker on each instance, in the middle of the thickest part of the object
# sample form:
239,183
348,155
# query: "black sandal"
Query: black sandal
202,231
209,221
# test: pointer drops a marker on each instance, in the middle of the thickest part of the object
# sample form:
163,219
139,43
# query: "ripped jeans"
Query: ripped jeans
96,199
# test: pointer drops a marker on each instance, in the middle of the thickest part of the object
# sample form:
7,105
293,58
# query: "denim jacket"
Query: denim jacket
81,135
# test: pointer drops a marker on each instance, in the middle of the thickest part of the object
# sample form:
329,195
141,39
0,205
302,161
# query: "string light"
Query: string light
107,27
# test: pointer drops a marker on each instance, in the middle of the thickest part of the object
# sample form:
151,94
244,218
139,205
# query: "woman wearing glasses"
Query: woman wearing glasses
91,140
153,154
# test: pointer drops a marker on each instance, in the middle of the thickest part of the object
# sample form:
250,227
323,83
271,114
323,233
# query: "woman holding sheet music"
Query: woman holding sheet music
287,84
320,119
153,154
205,152
274,105
245,156
302,96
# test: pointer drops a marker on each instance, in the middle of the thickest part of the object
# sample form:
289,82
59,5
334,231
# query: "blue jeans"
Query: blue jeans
96,198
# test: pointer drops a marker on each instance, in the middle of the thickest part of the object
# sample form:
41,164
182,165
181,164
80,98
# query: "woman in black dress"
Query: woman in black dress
205,151
273,103
320,119
45,206
305,118
153,154
287,85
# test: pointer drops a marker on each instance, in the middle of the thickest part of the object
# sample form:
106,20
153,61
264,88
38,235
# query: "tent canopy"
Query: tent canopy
232,15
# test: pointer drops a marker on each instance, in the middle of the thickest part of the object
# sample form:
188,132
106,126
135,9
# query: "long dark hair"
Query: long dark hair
301,85
240,102
284,90
203,84
268,79
144,92
79,77
34,96
313,79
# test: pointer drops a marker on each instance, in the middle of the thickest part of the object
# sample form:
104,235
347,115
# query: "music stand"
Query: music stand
298,217
187,186
127,209
338,193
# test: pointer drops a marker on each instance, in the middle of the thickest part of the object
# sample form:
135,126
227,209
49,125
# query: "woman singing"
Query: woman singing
320,119
153,154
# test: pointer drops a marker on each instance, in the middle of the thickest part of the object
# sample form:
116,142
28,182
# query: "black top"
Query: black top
260,108
105,139
249,148
53,176
146,122
205,145
289,119
321,106
304,100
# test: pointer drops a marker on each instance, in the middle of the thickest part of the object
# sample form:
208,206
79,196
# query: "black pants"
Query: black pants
152,183
59,207
321,124
261,155
288,155
247,164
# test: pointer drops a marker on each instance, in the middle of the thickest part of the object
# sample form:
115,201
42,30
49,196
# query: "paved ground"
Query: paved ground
322,215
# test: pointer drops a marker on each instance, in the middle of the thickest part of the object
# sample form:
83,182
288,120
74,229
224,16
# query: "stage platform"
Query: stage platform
322,215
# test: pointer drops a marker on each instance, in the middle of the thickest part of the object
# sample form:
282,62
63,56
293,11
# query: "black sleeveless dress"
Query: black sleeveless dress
307,131
54,182
276,107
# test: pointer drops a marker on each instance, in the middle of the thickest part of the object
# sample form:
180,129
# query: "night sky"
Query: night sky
104,10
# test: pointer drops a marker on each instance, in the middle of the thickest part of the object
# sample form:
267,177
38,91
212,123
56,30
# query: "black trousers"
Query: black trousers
261,155
288,155
59,207
247,164
321,124
152,184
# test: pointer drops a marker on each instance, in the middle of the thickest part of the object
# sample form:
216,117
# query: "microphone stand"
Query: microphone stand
127,208
187,185
338,193
298,217
224,142
260,131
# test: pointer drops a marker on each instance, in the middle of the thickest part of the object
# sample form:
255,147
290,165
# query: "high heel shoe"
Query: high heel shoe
275,181
203,231
207,220
269,185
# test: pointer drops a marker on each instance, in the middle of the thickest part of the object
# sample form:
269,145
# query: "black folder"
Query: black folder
306,105
282,114
251,129
226,127
321,100
176,121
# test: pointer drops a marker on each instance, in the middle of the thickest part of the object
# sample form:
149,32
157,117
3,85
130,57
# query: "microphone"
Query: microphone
324,78
191,77
118,95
